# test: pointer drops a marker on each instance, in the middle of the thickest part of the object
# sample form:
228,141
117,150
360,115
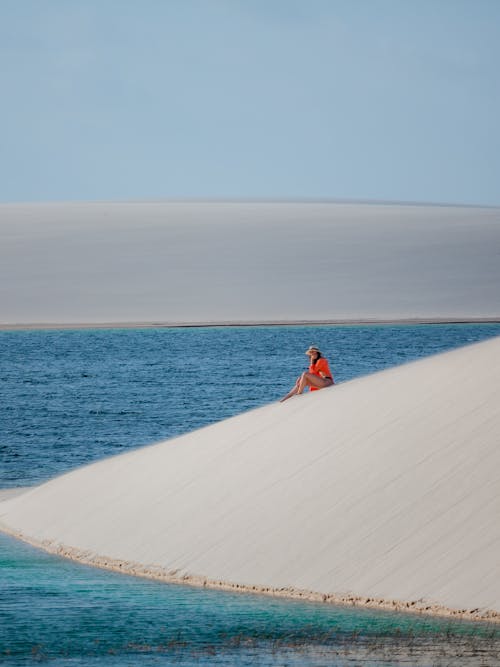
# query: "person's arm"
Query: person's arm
323,368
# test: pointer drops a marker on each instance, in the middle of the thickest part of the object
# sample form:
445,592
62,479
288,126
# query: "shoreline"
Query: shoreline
158,573
362,321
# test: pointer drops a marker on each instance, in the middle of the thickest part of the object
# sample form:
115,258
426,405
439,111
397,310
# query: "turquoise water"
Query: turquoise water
71,614
70,397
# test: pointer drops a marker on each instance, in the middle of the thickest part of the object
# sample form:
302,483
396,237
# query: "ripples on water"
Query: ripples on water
77,615
70,397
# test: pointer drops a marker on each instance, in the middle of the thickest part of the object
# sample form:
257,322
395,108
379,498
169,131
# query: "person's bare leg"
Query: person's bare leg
307,380
311,380
302,383
292,392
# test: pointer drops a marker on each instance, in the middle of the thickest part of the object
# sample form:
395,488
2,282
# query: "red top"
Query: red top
320,366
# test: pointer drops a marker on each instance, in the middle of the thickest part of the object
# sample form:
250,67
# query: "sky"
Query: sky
395,100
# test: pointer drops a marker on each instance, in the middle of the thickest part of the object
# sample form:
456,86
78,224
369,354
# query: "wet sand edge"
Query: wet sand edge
158,573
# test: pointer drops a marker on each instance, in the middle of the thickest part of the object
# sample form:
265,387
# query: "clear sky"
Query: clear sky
363,99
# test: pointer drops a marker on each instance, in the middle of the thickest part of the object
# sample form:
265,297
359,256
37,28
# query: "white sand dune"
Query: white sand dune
11,493
383,490
246,261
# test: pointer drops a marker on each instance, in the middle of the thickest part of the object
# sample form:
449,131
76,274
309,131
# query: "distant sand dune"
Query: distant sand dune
383,491
246,261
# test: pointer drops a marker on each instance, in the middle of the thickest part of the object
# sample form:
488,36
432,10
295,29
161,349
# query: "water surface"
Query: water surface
71,397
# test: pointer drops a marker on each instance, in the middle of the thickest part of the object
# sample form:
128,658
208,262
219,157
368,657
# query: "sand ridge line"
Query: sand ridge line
158,573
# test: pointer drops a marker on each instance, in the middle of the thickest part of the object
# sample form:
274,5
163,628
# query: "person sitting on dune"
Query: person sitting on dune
319,375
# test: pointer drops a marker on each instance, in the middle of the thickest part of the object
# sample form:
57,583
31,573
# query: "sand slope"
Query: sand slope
386,488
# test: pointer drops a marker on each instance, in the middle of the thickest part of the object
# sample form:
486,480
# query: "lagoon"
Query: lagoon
71,397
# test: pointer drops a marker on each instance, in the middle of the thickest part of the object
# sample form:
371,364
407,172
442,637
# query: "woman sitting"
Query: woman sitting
319,375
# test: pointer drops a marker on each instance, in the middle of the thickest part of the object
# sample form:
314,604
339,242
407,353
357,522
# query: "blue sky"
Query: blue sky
364,99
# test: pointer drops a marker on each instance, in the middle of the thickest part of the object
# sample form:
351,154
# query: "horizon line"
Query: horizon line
254,200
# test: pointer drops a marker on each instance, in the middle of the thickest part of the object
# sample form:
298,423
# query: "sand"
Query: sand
212,262
11,493
381,491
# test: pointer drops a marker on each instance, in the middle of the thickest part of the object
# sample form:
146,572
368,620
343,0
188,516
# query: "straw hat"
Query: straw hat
313,348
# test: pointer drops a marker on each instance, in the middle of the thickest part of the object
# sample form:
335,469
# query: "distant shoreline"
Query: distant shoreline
33,326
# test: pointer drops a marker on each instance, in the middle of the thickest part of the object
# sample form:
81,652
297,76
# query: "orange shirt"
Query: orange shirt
320,365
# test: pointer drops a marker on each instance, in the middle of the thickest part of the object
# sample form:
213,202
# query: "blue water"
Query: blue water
71,397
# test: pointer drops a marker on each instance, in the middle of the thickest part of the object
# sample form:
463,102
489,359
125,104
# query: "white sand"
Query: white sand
171,262
11,493
378,490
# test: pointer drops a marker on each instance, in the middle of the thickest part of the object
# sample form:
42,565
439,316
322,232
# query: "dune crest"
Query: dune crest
381,491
